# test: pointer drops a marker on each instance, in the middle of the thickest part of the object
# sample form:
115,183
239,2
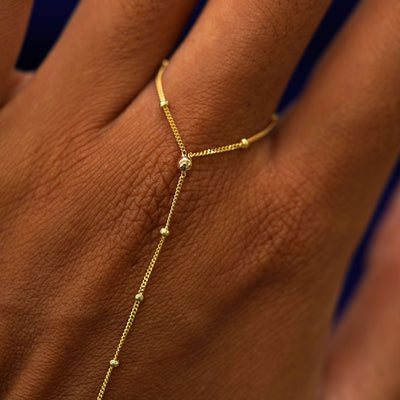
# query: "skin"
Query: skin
241,301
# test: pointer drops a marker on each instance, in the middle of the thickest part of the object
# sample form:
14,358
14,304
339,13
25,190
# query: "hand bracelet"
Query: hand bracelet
184,165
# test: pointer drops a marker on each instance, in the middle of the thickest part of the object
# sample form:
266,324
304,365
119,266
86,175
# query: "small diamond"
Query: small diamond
185,163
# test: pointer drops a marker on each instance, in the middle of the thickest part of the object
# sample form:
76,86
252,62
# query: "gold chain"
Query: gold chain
185,163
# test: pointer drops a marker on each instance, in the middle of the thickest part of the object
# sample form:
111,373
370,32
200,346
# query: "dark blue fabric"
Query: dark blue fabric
49,17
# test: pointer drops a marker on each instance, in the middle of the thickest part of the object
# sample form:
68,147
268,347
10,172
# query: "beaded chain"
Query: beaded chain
184,164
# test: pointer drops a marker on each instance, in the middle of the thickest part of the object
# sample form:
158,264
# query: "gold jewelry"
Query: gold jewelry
184,165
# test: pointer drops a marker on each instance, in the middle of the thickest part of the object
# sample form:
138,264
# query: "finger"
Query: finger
14,16
343,135
231,70
108,52
364,362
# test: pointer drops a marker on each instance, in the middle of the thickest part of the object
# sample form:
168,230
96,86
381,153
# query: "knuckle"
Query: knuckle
133,23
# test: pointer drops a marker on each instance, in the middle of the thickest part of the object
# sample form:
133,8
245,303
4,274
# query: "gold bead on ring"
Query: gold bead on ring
244,144
163,103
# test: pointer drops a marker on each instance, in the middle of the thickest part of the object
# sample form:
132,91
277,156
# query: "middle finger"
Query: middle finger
231,70
106,55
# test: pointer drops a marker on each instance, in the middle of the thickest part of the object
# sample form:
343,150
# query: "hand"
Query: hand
240,303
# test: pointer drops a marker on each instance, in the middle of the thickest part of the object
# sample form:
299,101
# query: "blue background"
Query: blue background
48,20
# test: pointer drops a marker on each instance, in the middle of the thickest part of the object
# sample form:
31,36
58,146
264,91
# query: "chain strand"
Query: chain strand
216,150
165,106
175,199
184,164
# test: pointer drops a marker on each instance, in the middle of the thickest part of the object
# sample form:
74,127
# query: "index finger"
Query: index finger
14,17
